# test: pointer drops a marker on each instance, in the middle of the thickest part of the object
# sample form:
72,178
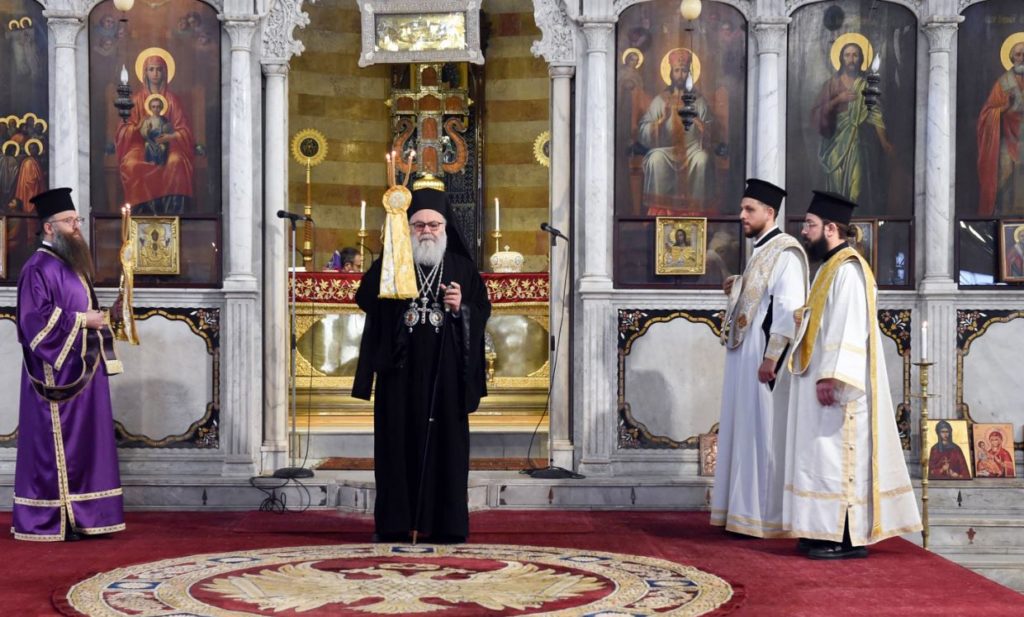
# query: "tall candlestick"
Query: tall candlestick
924,340
497,215
362,214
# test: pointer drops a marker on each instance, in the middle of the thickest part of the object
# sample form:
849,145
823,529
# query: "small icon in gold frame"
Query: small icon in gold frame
157,244
680,247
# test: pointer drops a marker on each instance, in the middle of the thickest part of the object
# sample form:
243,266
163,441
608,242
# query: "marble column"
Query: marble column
769,157
939,180
64,31
597,202
938,288
559,324
240,146
275,293
595,325
242,361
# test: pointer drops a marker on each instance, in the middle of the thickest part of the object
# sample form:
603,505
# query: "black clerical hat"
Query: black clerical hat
433,199
428,199
832,207
53,201
765,192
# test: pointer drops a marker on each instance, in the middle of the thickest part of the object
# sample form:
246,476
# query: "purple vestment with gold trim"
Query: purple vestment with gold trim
66,472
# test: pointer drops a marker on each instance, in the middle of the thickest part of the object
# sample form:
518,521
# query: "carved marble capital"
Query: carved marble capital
940,32
278,27
64,27
561,71
240,29
598,35
559,38
770,35
275,69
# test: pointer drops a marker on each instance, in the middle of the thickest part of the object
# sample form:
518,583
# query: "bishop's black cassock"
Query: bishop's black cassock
405,364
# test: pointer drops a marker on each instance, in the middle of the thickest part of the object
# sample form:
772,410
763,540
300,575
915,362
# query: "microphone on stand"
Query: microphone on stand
284,214
554,232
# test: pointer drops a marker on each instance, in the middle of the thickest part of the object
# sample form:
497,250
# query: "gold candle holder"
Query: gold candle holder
496,234
362,248
924,396
307,228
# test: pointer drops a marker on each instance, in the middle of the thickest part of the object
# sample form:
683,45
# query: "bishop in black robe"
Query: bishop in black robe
407,357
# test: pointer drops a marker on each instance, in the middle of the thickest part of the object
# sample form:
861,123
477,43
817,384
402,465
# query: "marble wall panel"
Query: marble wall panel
10,379
673,379
168,382
990,373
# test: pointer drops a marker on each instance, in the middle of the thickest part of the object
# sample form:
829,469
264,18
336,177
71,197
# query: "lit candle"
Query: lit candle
497,215
924,341
124,75
362,215
126,212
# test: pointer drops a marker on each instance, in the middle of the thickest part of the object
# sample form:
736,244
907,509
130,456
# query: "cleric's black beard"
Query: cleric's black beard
75,251
816,249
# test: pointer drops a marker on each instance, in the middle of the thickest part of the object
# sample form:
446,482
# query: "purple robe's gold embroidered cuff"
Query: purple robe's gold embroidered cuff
50,325
70,342
776,347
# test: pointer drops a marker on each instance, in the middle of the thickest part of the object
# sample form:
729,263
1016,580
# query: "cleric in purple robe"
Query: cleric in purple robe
429,349
66,479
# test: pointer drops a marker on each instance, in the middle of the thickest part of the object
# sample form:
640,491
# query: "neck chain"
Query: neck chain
430,293
430,284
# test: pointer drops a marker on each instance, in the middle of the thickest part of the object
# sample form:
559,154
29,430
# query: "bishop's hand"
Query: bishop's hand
452,297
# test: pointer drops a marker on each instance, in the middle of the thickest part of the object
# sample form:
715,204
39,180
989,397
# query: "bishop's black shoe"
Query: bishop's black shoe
386,537
804,545
838,551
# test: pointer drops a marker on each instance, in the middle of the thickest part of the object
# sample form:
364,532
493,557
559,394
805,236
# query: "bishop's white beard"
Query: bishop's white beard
429,251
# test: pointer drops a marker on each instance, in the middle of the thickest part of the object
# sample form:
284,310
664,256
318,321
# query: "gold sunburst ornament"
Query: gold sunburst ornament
542,148
309,147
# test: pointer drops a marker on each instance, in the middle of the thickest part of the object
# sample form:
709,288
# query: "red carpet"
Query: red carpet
898,579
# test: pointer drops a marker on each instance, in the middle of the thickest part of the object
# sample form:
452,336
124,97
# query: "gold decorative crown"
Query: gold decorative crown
428,181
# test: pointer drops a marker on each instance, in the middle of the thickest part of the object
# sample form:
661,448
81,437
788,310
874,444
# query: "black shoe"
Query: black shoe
70,535
804,545
399,536
838,551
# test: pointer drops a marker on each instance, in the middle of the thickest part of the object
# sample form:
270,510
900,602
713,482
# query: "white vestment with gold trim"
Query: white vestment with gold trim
747,494
829,462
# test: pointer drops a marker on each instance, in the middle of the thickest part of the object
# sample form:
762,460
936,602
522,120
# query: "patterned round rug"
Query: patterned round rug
400,579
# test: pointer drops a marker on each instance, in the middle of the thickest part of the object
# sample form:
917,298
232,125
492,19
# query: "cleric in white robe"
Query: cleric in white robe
847,484
758,330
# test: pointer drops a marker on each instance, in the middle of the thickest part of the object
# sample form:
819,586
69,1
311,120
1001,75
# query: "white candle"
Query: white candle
497,215
362,215
124,75
924,341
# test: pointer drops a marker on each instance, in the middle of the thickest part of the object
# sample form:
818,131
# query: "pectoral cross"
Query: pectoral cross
423,310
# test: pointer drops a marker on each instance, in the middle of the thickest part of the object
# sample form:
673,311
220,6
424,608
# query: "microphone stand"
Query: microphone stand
295,471
552,472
